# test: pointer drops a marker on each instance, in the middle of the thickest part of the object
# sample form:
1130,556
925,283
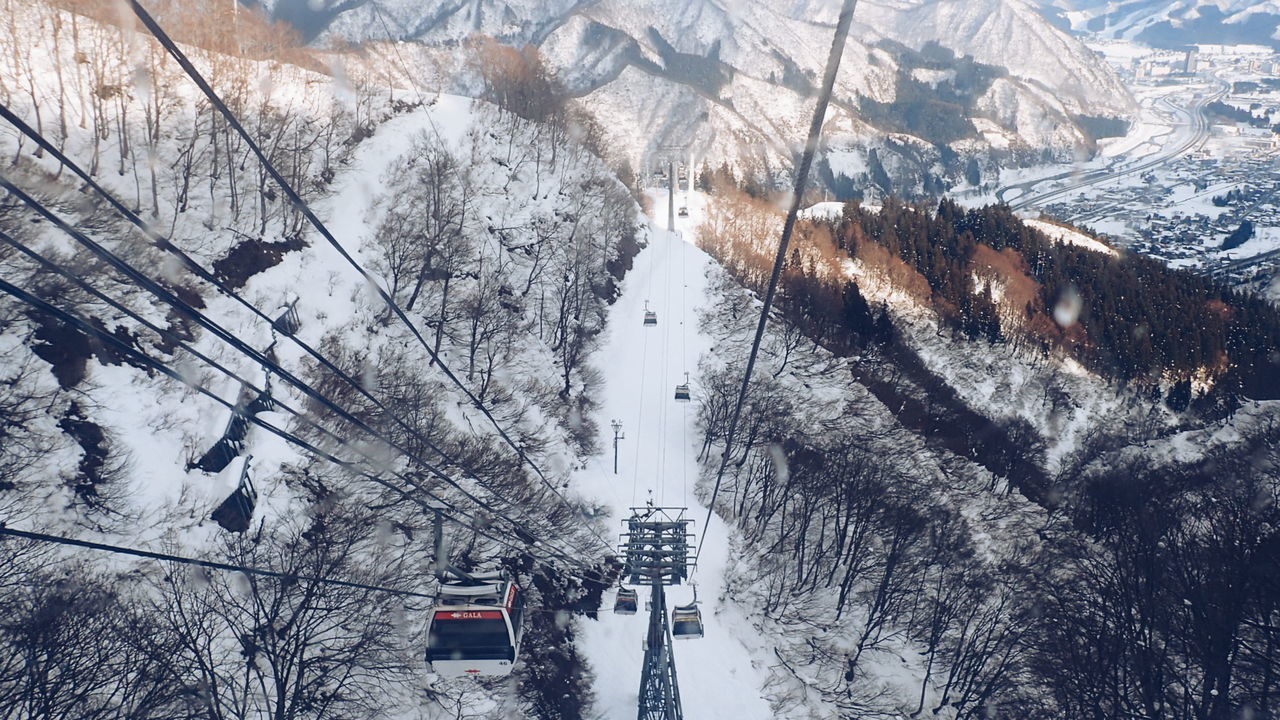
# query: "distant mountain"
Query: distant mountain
1011,34
1172,23
925,86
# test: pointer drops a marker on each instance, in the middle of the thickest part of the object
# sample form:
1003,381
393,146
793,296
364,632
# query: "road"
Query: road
1228,267
1194,119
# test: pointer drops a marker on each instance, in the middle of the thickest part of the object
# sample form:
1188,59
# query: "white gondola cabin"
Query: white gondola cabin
650,317
626,602
476,627
682,390
686,622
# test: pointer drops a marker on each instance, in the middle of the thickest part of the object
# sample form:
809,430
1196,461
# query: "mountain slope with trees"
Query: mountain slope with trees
883,526
227,350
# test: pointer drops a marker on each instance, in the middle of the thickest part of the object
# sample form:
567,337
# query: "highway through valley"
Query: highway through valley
1195,130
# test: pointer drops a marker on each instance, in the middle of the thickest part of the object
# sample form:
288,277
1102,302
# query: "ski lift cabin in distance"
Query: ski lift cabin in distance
682,390
686,622
650,317
476,626
627,602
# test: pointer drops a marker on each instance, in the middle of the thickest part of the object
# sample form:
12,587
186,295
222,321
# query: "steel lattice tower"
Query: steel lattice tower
657,550
659,691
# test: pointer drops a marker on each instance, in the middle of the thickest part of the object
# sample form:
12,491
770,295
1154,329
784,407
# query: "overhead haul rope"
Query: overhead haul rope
172,337
684,360
664,364
253,354
639,432
311,217
171,299
215,565
190,263
644,364
802,178
163,368
233,567
395,47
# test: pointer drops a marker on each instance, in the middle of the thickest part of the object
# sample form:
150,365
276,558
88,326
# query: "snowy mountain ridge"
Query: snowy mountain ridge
731,81
1172,23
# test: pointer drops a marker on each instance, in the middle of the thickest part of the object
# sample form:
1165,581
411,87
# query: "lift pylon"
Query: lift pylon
658,551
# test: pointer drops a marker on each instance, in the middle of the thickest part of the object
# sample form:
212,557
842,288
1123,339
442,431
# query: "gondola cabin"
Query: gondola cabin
235,513
682,392
686,622
476,627
650,318
626,602
288,322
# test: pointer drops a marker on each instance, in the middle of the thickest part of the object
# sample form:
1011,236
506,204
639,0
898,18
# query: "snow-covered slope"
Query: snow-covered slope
722,674
481,225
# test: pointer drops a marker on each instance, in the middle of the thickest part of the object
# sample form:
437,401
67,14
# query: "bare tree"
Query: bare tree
284,648
79,644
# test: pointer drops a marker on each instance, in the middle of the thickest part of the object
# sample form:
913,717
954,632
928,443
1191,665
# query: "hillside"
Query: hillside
993,566
224,382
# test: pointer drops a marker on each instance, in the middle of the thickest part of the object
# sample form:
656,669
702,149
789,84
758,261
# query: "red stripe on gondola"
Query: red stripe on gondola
468,615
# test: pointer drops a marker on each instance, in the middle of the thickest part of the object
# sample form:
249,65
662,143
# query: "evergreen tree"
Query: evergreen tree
1239,237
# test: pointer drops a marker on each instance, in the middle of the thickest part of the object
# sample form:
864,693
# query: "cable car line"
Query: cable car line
232,567
302,207
173,338
684,360
229,567
126,349
164,369
395,47
228,337
802,178
190,264
639,431
663,362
